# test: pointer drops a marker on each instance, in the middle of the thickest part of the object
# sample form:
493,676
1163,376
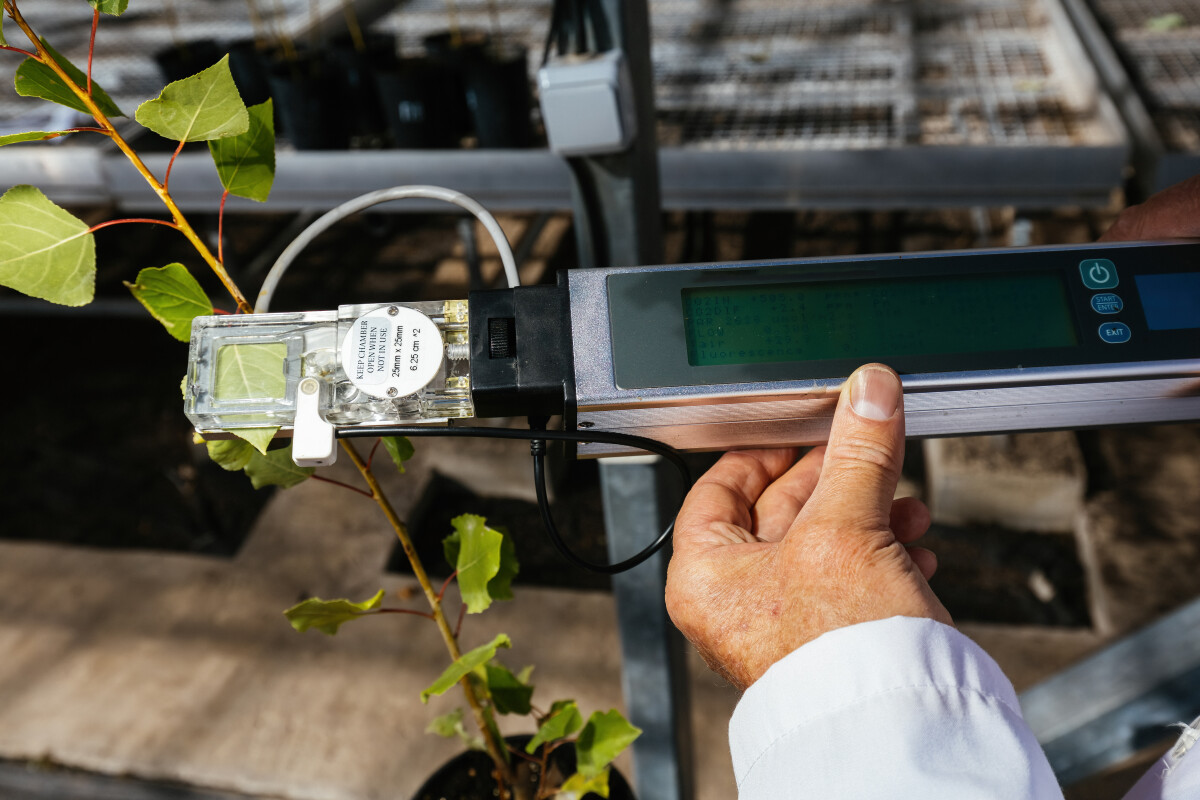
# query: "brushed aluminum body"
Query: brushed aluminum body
779,413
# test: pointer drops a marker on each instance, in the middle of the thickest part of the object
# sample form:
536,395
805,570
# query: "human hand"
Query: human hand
1173,213
770,553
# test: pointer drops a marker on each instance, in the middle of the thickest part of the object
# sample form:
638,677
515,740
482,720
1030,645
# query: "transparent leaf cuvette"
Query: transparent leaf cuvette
375,363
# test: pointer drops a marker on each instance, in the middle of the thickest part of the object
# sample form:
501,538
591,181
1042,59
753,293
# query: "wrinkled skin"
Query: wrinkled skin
771,552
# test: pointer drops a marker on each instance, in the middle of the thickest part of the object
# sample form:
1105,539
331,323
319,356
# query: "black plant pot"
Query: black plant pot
357,95
499,96
187,58
248,63
411,107
468,776
452,54
305,94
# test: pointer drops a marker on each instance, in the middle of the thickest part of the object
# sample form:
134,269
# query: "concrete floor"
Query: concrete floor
181,667
166,666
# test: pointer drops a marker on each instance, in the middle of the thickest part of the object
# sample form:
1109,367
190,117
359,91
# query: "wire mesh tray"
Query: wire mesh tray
957,100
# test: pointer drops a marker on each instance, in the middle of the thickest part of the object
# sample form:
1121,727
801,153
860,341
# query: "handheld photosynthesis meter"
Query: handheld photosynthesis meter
732,355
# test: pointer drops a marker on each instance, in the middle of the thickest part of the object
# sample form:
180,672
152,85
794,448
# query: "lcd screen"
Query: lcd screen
877,319
1171,301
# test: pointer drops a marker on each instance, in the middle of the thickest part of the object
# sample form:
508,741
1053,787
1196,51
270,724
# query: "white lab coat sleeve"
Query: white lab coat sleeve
898,708
1176,776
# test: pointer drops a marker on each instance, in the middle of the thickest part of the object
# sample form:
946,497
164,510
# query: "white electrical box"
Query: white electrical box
587,104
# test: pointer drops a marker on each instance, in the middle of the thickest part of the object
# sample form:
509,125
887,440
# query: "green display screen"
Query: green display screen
871,320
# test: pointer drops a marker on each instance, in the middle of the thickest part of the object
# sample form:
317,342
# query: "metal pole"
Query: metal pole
654,660
622,226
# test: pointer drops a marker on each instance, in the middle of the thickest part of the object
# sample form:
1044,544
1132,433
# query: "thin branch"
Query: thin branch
446,585
92,48
448,637
171,163
462,613
424,614
323,479
371,456
221,228
19,50
221,311
86,130
520,753
103,121
112,222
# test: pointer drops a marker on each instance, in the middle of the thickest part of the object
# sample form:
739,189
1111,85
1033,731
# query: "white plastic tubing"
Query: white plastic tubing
361,202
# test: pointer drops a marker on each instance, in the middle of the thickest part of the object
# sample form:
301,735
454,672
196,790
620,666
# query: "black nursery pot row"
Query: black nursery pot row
343,96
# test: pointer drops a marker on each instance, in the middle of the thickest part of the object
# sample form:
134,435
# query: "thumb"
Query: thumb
865,452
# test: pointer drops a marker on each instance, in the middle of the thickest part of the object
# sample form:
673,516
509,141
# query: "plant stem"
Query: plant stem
442,594
323,479
435,605
92,47
101,118
170,165
19,50
455,30
256,22
356,34
424,614
221,228
112,222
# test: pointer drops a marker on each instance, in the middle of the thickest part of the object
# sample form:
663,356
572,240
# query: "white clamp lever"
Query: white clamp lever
314,443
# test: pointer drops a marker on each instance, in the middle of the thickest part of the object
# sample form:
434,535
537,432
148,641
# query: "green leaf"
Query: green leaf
476,551
446,725
230,454
260,438
276,468
271,468
563,720
524,675
203,107
114,7
172,296
509,694
451,725
576,786
35,79
466,663
500,587
30,136
328,615
400,449
44,251
246,162
602,740
251,372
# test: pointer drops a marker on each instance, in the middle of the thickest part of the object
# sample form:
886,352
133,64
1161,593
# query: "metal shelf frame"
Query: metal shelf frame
1153,77
761,104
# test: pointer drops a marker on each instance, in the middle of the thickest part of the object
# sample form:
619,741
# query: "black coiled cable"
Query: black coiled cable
537,449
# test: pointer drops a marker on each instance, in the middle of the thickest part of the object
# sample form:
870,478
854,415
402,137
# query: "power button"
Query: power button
1098,273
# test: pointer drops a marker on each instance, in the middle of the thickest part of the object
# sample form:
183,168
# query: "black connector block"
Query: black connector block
521,360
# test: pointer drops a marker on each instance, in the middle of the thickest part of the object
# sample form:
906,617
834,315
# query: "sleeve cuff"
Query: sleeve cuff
901,691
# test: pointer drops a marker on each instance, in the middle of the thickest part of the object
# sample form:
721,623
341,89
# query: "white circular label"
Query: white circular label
392,352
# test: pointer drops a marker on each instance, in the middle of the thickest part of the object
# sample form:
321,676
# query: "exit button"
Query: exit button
1098,273
1115,332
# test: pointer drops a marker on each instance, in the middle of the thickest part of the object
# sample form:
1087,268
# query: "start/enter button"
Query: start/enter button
1098,273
